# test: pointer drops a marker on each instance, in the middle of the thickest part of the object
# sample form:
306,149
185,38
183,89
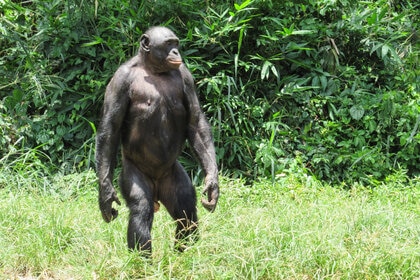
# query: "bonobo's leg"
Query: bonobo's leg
177,193
137,191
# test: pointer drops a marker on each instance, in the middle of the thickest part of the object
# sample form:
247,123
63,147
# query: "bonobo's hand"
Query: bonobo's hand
107,195
211,189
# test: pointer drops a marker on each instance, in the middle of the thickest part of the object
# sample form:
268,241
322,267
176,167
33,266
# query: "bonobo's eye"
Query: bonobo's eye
172,43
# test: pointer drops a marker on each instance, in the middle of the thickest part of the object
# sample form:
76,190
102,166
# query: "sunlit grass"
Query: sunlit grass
294,229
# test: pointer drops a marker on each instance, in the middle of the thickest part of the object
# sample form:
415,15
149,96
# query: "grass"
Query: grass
51,228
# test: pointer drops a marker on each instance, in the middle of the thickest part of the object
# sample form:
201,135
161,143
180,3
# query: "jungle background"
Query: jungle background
330,84
315,110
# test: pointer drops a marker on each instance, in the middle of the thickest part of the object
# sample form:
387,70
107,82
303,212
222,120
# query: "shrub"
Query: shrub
334,83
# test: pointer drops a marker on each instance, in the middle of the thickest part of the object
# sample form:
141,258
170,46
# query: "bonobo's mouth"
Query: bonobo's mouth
175,62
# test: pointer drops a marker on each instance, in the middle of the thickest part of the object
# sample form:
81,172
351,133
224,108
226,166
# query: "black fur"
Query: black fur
151,108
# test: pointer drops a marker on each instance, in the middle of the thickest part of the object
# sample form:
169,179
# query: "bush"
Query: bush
331,83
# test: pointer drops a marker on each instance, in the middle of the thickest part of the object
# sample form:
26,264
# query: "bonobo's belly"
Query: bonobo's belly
154,134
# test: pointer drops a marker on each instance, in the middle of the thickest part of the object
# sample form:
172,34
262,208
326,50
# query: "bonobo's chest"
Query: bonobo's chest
157,96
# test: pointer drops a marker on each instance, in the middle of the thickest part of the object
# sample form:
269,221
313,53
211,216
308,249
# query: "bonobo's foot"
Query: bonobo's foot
144,251
186,237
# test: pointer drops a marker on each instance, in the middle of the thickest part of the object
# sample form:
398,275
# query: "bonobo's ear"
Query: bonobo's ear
144,42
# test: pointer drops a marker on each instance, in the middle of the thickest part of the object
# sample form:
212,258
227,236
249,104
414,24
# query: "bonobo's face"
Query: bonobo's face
160,47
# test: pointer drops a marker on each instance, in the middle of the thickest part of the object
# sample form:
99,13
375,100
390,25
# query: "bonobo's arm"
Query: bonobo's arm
108,140
199,135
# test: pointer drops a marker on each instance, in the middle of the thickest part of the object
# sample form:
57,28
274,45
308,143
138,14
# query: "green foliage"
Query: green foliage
297,228
331,83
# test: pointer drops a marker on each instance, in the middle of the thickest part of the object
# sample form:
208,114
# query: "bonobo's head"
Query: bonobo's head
159,49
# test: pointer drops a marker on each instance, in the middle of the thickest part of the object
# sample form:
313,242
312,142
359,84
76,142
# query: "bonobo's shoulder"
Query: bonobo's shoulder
186,74
123,72
126,68
135,61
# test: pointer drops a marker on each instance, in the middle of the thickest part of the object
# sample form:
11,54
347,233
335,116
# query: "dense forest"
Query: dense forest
330,86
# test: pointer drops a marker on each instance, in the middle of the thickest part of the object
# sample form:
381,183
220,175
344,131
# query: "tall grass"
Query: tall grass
295,228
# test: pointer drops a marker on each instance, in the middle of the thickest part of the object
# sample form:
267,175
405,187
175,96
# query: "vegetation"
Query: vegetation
315,107
297,228
335,83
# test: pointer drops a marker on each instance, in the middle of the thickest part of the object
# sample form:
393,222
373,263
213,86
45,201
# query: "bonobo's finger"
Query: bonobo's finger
109,216
211,191
114,213
106,215
109,213
209,205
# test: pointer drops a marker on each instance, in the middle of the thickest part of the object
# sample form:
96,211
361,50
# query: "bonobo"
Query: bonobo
151,108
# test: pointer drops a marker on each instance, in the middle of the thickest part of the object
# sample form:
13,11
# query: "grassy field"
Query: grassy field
294,229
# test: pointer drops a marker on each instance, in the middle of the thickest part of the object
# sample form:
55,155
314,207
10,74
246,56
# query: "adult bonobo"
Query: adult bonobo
151,108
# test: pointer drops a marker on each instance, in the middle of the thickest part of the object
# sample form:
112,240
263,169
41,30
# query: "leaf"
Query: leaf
394,54
243,5
302,32
324,82
274,71
385,50
375,47
315,81
357,112
241,36
264,70
97,41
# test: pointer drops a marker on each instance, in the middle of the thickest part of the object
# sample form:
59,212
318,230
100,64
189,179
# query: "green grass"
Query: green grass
51,228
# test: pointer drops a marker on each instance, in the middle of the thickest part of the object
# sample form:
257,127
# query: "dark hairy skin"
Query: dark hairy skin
150,109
